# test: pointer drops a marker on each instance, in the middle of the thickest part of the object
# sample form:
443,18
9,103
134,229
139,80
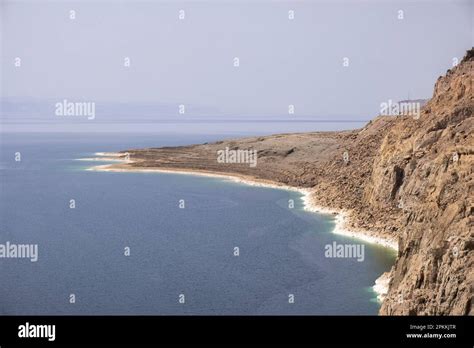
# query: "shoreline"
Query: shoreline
341,216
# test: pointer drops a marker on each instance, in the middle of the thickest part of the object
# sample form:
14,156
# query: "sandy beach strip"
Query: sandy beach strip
341,217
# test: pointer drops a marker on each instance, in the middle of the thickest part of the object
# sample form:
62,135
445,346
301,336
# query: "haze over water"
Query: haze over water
138,63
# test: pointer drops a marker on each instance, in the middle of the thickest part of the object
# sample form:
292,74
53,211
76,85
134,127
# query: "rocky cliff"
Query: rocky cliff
401,177
424,168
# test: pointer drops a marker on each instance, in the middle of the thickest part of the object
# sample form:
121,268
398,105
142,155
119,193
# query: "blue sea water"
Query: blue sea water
173,251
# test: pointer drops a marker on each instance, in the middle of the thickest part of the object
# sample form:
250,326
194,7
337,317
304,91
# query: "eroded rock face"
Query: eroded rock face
401,177
434,272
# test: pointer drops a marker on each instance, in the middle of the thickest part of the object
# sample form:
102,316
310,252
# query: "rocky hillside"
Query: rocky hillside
402,177
425,168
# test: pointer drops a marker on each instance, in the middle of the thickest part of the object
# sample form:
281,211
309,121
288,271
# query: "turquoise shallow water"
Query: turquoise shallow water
173,251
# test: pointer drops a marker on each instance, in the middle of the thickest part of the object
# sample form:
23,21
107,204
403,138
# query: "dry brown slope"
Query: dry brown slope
426,167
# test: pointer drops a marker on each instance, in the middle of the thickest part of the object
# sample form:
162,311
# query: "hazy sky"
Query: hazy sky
190,61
